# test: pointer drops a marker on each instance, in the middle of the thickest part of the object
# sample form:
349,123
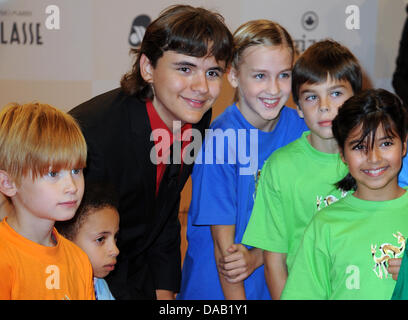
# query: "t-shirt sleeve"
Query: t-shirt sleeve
309,278
267,226
214,194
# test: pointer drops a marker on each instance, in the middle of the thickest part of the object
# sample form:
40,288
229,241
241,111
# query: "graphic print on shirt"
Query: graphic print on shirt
387,251
327,200
256,178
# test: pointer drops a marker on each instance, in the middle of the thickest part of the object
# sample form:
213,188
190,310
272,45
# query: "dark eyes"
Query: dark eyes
212,74
359,147
364,147
100,240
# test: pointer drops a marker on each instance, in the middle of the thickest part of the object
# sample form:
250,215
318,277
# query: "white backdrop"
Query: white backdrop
89,51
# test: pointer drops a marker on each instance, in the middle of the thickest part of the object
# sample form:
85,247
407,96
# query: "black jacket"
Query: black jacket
400,77
117,131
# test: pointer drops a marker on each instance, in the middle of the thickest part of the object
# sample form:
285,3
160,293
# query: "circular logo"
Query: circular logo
138,30
310,20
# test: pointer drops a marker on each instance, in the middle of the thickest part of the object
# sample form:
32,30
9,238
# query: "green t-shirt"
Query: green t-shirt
345,249
296,181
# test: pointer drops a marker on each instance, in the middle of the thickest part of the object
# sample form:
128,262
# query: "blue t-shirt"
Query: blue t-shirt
403,175
224,180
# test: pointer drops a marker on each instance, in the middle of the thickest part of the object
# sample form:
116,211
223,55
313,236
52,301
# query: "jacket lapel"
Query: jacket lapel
141,131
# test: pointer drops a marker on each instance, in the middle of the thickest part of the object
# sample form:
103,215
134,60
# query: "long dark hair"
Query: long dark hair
369,109
184,29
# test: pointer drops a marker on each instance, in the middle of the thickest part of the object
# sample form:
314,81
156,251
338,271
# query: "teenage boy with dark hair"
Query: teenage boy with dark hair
174,82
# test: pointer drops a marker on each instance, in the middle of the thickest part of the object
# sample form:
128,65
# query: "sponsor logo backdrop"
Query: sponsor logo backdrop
63,52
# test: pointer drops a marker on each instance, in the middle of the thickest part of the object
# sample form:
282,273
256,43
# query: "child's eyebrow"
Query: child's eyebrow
266,71
184,63
104,233
337,86
380,139
258,70
307,91
190,64
356,141
386,138
286,70
217,68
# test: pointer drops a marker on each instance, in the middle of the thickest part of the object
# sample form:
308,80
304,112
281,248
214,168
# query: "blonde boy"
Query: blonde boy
42,154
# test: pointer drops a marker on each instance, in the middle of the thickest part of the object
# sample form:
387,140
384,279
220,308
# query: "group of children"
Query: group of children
319,216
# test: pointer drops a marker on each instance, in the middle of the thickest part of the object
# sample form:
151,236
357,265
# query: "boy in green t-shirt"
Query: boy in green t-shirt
298,179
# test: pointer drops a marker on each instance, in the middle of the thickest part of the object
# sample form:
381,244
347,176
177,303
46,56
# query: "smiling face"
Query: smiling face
375,168
97,237
263,80
185,87
318,105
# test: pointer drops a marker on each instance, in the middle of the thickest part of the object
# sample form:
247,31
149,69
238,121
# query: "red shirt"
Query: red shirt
163,148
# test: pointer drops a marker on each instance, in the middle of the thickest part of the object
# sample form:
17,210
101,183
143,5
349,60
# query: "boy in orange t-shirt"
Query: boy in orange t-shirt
42,154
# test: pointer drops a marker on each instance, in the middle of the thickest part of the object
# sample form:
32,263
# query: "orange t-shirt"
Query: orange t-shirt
30,271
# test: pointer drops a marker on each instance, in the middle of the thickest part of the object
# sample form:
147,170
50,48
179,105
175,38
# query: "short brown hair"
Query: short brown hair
35,136
183,29
326,59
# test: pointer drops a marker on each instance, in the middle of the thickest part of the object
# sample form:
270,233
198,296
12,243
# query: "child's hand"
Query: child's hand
394,267
238,265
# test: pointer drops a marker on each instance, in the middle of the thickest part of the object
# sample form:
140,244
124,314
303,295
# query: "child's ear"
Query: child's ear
232,75
404,148
7,185
343,158
146,68
299,111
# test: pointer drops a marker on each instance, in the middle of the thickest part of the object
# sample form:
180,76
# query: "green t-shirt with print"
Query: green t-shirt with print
345,249
296,182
